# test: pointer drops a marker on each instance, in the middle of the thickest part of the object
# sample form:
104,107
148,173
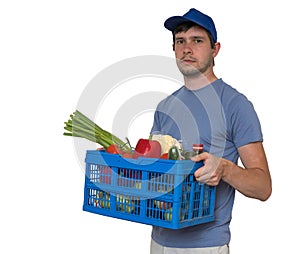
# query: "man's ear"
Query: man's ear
173,46
216,49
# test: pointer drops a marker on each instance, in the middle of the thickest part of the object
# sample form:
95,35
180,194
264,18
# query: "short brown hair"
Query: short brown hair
186,26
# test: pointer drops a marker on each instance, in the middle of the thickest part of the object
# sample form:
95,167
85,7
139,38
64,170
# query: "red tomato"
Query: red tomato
165,156
114,149
127,155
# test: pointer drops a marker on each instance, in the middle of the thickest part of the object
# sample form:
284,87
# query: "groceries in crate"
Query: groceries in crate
81,126
169,214
166,142
147,148
147,193
102,199
99,198
157,146
162,205
174,153
162,193
125,203
164,156
114,149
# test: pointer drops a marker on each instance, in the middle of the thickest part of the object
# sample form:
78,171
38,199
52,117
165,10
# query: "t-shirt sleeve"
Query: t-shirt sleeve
245,124
156,129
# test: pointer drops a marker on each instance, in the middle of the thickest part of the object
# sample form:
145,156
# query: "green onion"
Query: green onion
81,126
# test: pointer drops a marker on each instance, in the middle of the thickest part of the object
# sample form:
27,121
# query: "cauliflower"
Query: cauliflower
166,142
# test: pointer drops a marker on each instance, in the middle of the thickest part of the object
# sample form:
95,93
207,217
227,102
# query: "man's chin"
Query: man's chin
187,69
189,72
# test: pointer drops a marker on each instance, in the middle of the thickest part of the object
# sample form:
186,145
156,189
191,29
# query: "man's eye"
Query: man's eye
179,42
198,41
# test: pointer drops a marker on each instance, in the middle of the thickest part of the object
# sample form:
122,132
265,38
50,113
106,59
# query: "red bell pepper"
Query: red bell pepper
147,148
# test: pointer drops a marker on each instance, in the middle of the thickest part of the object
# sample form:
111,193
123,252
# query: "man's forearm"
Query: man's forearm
251,182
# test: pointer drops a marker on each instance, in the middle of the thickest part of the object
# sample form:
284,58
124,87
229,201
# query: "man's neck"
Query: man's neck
199,81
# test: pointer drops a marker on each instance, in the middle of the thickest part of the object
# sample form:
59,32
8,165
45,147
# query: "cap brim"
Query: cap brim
172,22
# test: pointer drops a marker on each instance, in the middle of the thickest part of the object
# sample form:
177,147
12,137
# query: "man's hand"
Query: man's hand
212,171
253,180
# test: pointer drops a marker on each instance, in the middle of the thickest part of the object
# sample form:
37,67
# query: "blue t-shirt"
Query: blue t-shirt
222,119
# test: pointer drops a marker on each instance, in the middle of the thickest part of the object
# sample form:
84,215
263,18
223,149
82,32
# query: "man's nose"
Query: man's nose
187,49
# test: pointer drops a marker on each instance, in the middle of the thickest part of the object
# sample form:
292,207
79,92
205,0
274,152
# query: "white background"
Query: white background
50,50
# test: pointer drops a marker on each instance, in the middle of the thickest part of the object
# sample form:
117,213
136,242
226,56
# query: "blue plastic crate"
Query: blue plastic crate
151,191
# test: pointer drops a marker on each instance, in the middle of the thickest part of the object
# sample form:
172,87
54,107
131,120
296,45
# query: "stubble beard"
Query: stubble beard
190,70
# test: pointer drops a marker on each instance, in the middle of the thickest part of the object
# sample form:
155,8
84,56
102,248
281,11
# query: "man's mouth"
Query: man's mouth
187,60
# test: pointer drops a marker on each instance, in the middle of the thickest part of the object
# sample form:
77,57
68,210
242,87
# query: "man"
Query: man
209,111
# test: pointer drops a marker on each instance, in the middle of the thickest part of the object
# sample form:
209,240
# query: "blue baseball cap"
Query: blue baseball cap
195,16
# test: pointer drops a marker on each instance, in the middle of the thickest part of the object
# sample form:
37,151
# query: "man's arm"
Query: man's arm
253,181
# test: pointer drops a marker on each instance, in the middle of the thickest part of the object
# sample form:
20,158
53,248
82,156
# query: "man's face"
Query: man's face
193,51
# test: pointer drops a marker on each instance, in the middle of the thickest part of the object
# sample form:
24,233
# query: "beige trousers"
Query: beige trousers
158,249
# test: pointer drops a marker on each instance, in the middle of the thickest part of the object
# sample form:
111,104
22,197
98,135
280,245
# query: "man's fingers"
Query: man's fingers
200,157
